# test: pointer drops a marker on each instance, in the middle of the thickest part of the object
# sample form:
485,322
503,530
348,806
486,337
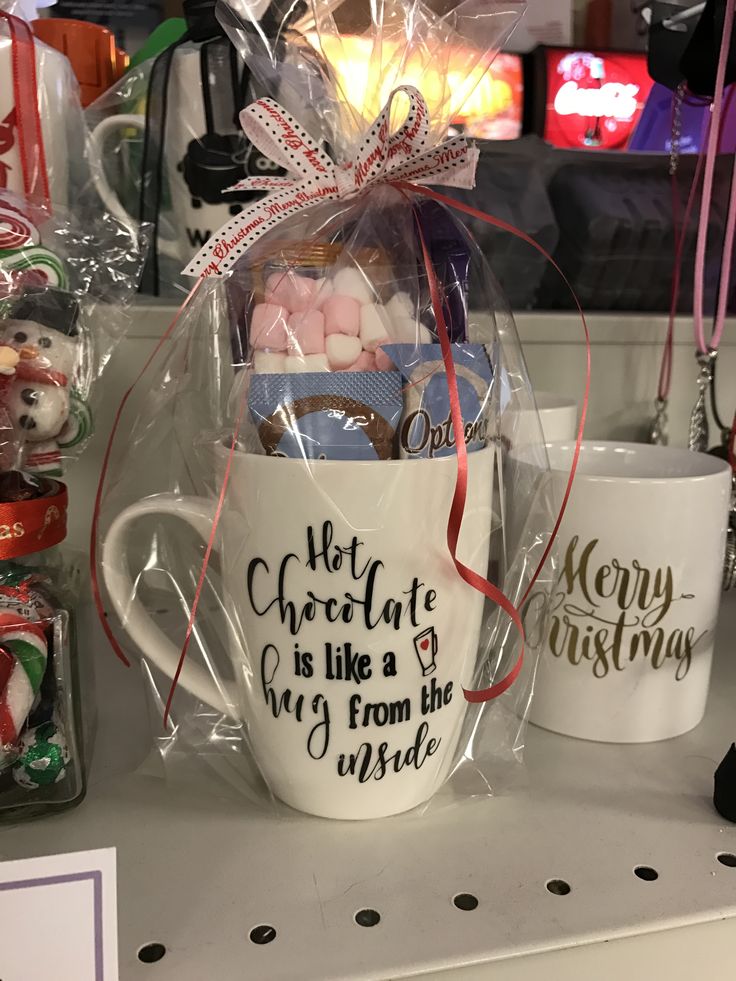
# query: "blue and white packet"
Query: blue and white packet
426,424
346,415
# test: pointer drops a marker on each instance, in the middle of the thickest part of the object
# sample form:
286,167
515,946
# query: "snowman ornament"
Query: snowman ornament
41,326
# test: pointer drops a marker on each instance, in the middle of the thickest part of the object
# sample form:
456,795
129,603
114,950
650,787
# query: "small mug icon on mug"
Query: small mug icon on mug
425,644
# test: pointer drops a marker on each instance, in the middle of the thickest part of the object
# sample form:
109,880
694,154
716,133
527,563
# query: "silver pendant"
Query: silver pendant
659,434
729,566
697,439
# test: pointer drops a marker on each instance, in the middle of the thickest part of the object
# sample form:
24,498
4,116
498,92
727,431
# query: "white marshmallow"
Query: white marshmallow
342,351
269,362
307,362
351,282
323,290
408,330
374,326
400,306
405,330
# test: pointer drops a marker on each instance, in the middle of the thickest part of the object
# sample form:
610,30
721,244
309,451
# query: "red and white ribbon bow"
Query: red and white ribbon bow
383,157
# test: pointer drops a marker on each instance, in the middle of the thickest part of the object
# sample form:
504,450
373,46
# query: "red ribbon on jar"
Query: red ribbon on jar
32,526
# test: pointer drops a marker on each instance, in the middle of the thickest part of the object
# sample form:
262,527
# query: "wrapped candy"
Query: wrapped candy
23,644
64,288
41,326
354,648
44,680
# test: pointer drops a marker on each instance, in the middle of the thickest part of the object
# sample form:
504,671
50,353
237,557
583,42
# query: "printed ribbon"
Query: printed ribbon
25,116
383,157
32,526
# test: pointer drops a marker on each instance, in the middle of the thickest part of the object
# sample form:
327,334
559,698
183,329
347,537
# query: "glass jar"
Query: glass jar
43,739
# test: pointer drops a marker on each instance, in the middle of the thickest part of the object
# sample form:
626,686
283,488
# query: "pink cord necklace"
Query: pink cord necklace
706,351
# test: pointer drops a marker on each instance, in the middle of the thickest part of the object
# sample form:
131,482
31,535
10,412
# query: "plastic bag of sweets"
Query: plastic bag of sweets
310,518
46,708
66,282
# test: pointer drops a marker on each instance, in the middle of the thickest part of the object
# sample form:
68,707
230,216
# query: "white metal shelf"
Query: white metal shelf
198,872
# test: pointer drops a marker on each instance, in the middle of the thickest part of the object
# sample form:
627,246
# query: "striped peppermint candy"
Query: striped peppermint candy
16,231
26,642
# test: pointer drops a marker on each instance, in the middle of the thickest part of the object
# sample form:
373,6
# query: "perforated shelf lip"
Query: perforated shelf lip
229,895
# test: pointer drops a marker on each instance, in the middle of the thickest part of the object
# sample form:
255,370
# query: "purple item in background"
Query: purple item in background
654,130
451,260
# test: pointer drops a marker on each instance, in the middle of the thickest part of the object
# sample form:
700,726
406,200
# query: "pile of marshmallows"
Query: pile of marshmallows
329,324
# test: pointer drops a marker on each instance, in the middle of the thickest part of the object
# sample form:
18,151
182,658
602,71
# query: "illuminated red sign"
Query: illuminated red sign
594,100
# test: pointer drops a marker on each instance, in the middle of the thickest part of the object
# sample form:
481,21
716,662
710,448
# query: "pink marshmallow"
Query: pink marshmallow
296,293
383,361
342,315
366,362
268,327
306,333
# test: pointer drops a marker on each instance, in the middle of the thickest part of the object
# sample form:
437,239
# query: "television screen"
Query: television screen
494,110
594,99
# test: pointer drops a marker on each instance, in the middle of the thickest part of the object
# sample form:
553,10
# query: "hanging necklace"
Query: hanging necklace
706,351
658,433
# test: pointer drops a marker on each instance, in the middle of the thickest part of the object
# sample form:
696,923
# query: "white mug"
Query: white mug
351,632
634,606
190,216
557,417
56,105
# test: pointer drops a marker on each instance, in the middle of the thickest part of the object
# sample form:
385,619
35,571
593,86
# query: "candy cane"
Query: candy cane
26,641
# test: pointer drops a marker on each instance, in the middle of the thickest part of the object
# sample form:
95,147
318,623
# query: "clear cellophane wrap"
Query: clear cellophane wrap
284,504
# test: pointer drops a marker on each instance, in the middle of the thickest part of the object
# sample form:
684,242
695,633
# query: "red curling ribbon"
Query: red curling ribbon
96,593
206,559
457,510
27,118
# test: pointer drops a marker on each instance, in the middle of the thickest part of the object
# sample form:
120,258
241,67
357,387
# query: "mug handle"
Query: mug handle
198,512
96,155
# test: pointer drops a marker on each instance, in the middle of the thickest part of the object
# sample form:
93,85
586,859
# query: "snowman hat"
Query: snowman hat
48,306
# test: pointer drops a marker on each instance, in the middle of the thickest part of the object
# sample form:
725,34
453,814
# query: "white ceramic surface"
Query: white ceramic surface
558,417
186,223
634,610
55,87
336,568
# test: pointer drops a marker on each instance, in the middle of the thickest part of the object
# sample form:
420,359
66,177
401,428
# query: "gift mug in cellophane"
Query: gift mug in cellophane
292,469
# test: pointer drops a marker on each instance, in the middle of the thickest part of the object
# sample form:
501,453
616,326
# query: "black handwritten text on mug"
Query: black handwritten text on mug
361,598
267,591
368,763
617,615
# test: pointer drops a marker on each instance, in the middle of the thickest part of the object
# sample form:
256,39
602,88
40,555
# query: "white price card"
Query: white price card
58,918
